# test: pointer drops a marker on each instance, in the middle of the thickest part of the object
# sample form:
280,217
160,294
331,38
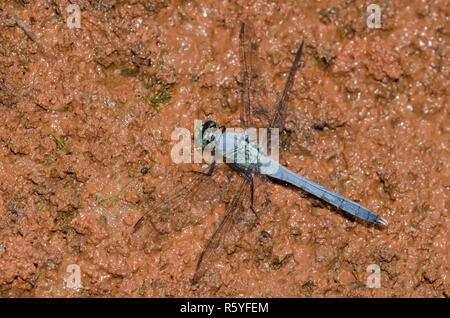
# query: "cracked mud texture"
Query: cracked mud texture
84,111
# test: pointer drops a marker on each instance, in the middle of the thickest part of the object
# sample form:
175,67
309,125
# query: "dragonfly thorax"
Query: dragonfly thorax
238,148
233,147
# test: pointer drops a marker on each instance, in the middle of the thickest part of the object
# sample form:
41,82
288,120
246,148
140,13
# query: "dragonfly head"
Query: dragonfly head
207,134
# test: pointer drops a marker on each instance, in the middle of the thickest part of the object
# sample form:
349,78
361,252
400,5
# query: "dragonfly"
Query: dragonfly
248,157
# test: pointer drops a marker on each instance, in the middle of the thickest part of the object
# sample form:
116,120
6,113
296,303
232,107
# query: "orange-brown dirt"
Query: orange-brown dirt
84,110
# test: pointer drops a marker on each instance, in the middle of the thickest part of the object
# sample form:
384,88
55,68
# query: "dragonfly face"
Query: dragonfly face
207,134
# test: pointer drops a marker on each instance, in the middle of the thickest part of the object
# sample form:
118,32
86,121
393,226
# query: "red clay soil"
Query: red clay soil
84,110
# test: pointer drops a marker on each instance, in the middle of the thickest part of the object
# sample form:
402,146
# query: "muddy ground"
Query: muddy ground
84,110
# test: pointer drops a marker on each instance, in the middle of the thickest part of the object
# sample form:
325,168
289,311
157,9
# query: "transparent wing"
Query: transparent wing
254,111
277,118
171,213
247,51
236,220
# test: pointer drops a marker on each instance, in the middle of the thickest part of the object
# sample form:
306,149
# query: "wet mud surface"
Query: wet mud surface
84,110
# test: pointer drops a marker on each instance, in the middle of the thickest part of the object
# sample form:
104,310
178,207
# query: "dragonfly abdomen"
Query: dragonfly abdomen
329,196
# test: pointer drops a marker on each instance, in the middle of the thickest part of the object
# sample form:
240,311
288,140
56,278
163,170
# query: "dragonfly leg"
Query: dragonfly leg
210,171
250,178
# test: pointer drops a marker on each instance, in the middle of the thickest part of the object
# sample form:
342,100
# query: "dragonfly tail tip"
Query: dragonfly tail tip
382,221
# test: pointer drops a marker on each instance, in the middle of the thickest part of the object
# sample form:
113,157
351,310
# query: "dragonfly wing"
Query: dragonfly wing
254,112
247,56
170,214
253,98
277,118
236,220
